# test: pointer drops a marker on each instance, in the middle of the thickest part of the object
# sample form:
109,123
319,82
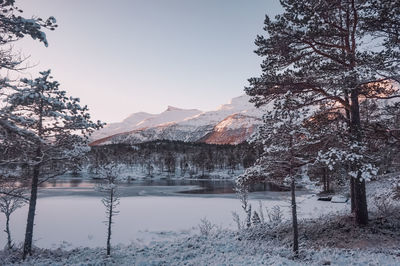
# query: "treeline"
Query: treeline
175,157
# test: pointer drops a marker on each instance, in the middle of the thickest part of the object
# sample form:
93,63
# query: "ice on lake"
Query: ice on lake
72,213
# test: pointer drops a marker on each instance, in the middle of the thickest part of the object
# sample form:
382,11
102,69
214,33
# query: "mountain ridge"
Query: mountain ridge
230,123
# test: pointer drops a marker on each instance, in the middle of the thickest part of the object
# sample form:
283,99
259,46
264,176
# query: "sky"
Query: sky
125,56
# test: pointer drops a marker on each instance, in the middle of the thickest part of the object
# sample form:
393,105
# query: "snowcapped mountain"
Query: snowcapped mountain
231,123
144,120
234,129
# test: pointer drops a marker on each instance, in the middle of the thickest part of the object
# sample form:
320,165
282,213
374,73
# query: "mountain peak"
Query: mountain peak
172,108
239,103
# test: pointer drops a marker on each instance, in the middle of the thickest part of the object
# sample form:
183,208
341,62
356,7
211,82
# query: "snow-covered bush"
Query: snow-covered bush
256,219
12,197
384,205
275,216
236,218
206,227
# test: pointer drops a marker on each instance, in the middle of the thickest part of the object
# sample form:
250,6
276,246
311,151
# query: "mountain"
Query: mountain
231,123
234,129
127,124
144,120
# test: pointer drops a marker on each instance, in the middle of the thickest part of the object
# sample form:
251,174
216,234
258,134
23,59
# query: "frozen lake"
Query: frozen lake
70,212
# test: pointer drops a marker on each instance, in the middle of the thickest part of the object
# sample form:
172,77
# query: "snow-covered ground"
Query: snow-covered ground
223,247
164,230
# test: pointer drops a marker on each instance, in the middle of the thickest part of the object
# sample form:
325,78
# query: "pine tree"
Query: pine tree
327,131
13,27
109,172
59,126
382,21
318,50
285,140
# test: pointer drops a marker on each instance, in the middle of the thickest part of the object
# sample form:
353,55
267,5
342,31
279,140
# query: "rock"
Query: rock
325,198
339,199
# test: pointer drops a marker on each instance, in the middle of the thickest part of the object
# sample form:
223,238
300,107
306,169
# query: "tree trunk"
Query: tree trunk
348,117
294,218
110,222
31,212
293,194
352,195
361,210
328,183
9,244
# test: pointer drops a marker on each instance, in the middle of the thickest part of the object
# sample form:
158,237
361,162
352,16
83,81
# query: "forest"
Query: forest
176,158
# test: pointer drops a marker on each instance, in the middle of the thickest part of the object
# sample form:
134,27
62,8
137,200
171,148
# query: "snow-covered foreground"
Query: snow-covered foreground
74,221
164,230
223,247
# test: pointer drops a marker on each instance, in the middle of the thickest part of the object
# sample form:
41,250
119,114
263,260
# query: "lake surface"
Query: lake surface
70,213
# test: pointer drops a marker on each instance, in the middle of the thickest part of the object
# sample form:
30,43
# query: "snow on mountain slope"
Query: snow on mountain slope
231,123
238,104
234,129
127,124
171,115
145,120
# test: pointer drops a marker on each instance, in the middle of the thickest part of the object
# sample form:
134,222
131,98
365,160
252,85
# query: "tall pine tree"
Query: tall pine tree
58,127
13,27
325,53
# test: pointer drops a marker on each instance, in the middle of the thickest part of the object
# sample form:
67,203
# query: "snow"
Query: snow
321,239
170,115
237,121
145,120
339,199
185,125
75,214
222,247
237,105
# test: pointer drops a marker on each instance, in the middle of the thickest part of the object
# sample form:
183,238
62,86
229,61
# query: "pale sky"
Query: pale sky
126,56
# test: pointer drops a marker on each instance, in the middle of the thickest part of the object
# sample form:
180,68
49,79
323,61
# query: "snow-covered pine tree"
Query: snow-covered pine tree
322,51
388,127
328,129
382,21
13,139
285,141
13,26
333,146
109,172
59,127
